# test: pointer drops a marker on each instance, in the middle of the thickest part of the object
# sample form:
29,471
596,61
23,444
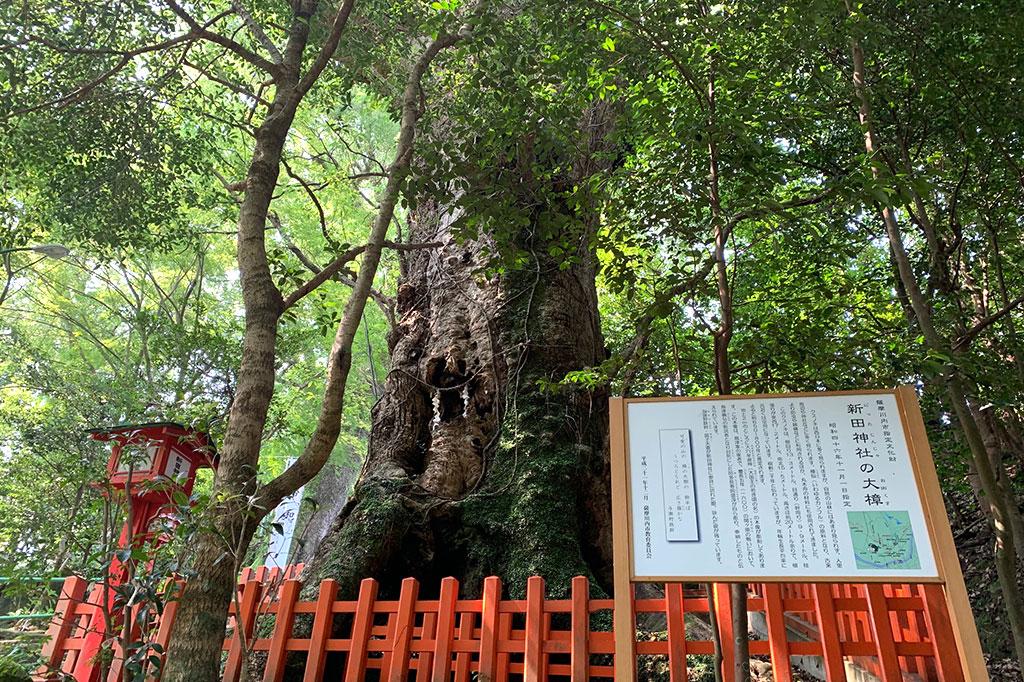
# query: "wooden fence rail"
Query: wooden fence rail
887,632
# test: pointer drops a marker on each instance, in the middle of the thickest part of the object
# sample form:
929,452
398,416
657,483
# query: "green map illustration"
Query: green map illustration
883,540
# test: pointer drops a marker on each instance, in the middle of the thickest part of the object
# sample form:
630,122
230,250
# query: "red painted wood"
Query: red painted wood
723,610
445,629
828,631
781,670
283,624
888,630
424,661
135,635
71,595
579,651
166,624
881,633
489,628
244,623
534,653
676,632
467,625
100,599
355,667
404,621
323,622
936,614
504,666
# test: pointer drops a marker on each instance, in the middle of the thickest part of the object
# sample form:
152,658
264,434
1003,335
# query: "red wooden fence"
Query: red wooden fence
885,630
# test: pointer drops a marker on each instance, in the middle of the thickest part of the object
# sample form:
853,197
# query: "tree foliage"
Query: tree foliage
737,137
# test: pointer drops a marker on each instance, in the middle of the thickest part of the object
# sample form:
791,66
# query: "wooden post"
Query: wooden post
283,623
881,633
534,653
424,662
323,621
781,670
723,612
941,630
244,622
445,628
405,620
579,646
489,628
504,666
71,594
964,629
467,623
355,667
624,619
828,631
674,613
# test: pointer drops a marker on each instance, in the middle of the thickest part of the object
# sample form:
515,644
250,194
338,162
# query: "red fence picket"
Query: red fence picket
890,632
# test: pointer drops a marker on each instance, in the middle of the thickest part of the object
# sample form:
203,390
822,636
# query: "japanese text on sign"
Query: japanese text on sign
813,486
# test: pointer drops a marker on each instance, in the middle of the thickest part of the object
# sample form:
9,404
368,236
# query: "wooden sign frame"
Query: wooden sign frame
940,535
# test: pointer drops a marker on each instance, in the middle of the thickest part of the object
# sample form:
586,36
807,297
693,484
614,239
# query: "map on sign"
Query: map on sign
883,540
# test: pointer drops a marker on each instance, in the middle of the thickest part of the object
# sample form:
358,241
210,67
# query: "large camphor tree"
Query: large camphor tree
574,199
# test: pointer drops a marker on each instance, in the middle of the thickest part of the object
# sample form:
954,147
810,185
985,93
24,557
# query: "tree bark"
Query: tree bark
240,502
480,462
474,469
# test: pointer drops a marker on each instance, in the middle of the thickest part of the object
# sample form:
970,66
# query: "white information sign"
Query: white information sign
178,466
795,486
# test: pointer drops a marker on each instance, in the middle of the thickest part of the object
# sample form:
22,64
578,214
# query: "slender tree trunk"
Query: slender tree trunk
194,654
202,612
1005,553
723,366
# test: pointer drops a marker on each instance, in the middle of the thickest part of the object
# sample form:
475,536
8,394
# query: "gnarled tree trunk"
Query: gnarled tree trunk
479,463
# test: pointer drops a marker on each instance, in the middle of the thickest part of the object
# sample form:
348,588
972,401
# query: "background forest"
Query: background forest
402,252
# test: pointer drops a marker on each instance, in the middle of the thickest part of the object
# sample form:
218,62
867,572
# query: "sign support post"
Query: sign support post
964,629
624,625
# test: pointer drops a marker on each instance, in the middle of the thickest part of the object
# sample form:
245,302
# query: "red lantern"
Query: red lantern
159,458
148,464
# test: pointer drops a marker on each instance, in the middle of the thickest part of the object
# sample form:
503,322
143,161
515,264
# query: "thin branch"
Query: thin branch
973,332
329,48
643,325
83,90
328,426
312,197
245,53
334,268
685,71
779,208
233,87
257,31
328,272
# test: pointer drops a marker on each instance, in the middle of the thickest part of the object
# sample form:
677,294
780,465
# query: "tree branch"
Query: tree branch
312,197
973,332
83,90
257,31
245,53
328,426
326,273
643,325
329,48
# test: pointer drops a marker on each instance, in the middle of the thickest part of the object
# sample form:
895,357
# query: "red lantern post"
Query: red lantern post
148,464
